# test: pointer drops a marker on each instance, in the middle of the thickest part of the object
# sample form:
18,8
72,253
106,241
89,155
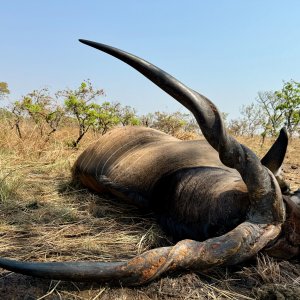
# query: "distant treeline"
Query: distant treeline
83,109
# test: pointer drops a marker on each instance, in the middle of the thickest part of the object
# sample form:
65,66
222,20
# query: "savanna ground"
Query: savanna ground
46,217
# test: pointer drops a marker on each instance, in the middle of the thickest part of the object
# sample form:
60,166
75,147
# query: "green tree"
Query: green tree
37,105
237,127
290,105
250,122
272,118
127,116
252,118
4,91
170,123
79,104
43,110
107,116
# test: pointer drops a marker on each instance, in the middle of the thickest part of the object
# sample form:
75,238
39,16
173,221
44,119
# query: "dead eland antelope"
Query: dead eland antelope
217,199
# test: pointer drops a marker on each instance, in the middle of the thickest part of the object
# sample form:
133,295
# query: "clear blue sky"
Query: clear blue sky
227,50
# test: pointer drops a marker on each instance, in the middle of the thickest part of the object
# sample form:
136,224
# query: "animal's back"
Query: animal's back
136,157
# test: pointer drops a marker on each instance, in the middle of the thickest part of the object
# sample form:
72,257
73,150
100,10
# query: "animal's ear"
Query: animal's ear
275,156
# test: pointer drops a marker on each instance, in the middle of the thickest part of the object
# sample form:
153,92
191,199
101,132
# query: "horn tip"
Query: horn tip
93,44
83,41
284,130
283,134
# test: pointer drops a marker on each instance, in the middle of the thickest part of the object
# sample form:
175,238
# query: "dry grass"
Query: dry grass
45,217
291,165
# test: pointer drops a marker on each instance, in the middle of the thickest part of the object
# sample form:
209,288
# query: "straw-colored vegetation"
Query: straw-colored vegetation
46,217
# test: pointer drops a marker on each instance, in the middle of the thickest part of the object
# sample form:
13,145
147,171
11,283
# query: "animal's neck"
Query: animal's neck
187,209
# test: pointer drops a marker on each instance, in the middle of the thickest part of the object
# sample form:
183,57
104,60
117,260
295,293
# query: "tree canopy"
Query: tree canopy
289,105
4,91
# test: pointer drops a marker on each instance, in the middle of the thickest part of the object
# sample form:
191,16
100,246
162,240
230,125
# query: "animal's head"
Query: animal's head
287,245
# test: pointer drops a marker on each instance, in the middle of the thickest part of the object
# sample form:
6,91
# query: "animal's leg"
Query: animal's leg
123,192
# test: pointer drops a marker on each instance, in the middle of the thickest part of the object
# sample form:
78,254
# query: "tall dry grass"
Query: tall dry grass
46,217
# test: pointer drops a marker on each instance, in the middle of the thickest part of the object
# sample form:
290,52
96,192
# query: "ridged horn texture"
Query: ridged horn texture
263,224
